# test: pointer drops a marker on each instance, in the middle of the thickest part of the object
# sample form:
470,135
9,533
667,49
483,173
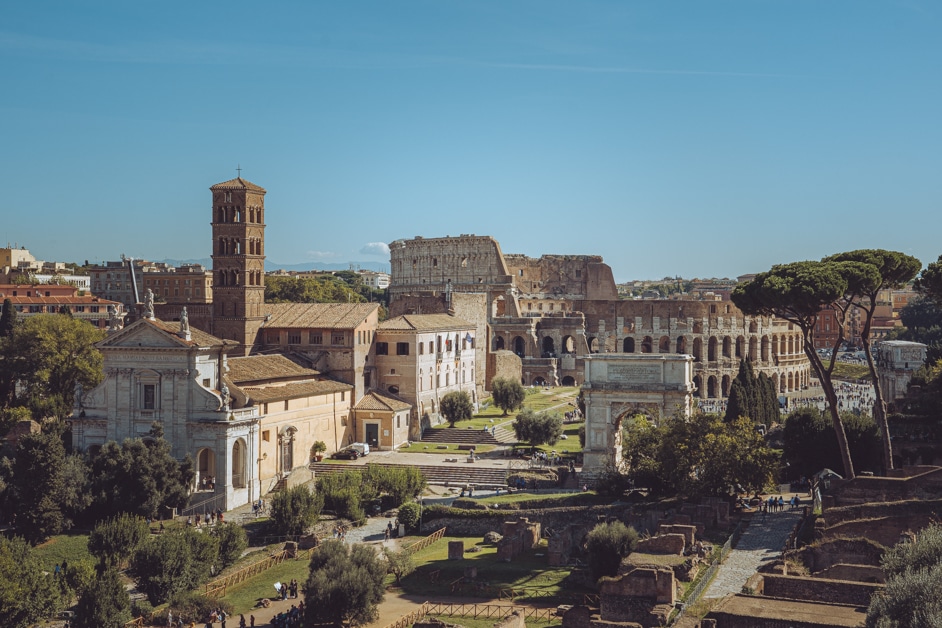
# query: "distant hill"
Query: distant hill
269,265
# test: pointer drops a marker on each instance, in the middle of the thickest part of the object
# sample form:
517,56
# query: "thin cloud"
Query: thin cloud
617,70
375,248
321,254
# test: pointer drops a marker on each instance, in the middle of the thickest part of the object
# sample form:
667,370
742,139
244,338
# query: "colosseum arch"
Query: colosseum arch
711,349
727,347
568,345
549,347
697,349
647,345
753,349
740,347
520,346
628,345
681,344
619,385
664,344
498,343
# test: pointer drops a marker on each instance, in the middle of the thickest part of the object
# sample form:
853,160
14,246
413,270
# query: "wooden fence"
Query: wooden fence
494,611
217,588
407,620
422,544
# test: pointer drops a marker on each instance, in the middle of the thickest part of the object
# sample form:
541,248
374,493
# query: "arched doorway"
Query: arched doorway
539,381
628,345
205,469
711,387
727,347
569,380
697,349
519,345
549,347
711,349
647,345
498,343
681,344
664,344
238,464
569,345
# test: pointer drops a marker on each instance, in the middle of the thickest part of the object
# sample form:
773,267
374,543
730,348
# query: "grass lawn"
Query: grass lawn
71,547
853,372
537,399
529,570
245,595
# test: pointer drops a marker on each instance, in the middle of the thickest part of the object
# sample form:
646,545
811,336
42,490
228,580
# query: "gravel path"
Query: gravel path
761,543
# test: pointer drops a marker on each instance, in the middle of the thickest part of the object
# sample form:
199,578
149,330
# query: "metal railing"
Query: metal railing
703,581
207,505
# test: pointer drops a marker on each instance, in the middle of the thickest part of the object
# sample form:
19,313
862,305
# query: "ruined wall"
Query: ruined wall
563,277
854,573
819,590
922,483
470,263
504,364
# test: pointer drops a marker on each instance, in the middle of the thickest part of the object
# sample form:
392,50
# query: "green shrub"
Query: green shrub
409,514
606,545
194,606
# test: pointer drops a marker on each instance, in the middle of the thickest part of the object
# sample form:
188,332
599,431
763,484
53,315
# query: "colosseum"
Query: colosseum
554,311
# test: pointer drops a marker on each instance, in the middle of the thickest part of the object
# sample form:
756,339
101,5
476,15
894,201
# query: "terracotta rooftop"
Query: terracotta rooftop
237,184
280,392
425,322
318,315
37,299
381,401
198,338
257,369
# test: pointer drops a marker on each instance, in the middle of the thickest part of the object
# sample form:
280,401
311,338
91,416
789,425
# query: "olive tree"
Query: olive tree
456,406
508,394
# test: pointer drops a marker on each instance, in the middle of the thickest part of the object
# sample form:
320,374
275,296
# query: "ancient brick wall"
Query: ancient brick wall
819,590
854,573
662,544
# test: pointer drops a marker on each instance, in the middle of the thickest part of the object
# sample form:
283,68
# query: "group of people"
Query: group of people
340,532
289,589
258,507
290,618
777,504
209,518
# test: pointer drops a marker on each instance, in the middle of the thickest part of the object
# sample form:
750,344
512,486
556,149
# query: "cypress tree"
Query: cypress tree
7,319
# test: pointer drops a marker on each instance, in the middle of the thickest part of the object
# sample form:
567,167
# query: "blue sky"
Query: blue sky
701,138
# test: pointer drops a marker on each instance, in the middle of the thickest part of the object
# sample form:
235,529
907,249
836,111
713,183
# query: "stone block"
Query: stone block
455,550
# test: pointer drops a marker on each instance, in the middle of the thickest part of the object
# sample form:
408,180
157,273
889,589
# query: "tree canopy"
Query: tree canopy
753,397
27,594
703,455
456,406
508,394
930,281
296,509
538,428
47,355
606,545
140,477
913,594
798,292
895,270
344,585
810,444
38,486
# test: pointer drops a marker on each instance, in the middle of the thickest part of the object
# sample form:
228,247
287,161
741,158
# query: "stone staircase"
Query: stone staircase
465,436
452,475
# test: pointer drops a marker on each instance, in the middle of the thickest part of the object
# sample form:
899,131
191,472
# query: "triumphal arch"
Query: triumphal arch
619,385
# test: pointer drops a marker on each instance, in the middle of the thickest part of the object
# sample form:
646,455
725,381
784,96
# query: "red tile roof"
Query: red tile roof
237,184
318,315
425,322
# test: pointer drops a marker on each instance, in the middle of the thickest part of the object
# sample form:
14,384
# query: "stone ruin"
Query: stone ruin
642,597
518,536
564,543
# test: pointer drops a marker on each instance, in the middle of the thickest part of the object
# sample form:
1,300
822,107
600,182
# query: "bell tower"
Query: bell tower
238,224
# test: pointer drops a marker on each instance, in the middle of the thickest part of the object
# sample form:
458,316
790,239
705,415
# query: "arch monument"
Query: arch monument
619,385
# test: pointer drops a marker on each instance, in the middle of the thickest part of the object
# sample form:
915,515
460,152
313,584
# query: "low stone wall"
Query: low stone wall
841,514
886,531
481,522
854,573
662,544
819,590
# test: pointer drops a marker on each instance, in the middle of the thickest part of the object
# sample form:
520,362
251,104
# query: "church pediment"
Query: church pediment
142,334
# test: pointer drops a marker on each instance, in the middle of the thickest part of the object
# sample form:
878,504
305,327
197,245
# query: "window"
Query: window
149,398
205,382
294,337
421,346
382,348
266,436
286,405
337,339
402,348
315,338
